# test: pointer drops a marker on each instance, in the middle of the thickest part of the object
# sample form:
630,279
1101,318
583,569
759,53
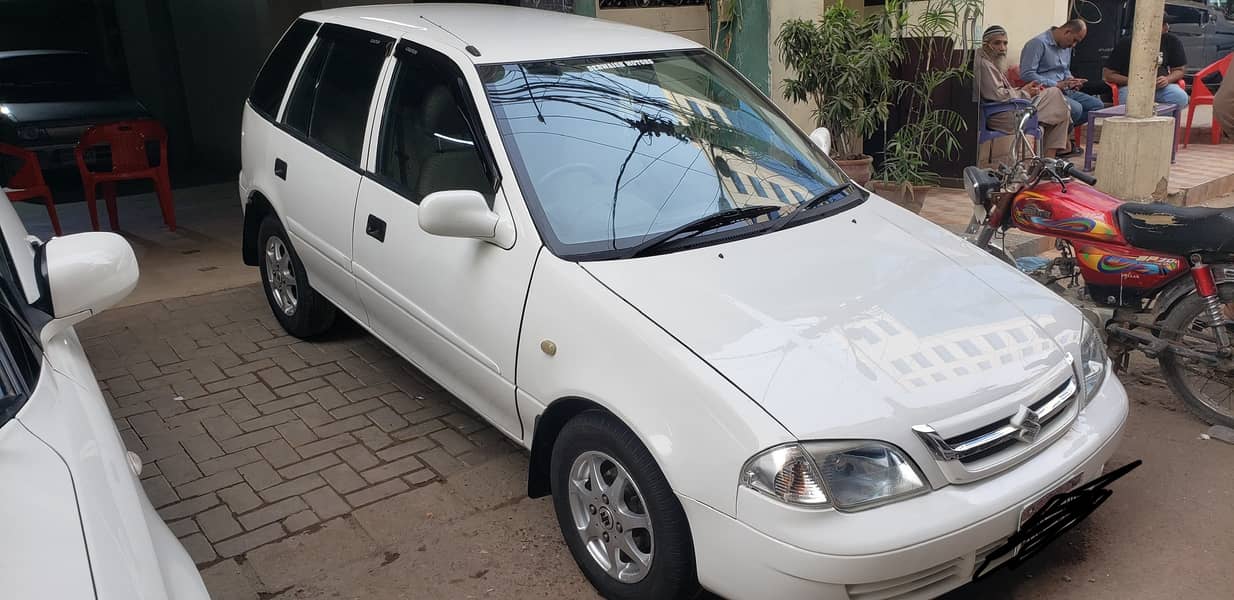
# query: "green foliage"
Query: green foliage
728,21
842,66
929,131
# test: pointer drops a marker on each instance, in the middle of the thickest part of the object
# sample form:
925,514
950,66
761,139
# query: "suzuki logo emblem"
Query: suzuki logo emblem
1028,422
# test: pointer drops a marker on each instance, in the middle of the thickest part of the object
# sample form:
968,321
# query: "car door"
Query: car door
452,306
318,158
1189,24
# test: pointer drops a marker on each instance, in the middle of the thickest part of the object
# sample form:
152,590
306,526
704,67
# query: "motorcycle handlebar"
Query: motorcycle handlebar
1071,171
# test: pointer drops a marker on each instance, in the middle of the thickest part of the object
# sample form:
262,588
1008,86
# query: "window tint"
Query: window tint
272,80
428,140
331,99
20,354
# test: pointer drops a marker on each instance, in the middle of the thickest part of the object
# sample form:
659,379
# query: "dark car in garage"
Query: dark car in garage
49,97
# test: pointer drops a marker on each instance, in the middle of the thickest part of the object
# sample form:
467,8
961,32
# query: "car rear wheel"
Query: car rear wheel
621,521
298,307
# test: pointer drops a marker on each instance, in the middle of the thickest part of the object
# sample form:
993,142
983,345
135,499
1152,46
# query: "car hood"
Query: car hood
860,324
29,113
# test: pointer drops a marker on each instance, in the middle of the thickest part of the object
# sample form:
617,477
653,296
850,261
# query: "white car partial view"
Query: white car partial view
78,523
732,367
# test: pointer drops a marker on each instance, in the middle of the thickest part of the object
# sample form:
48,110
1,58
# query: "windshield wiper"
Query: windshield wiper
812,204
697,226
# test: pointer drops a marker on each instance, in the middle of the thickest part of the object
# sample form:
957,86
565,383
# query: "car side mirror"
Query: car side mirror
464,214
83,274
822,138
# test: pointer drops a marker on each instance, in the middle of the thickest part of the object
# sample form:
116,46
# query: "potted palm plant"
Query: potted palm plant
841,65
930,37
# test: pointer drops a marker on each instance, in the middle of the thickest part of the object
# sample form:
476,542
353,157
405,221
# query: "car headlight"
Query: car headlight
849,475
1093,362
31,134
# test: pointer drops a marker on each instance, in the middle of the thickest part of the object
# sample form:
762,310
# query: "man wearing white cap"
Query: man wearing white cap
1053,112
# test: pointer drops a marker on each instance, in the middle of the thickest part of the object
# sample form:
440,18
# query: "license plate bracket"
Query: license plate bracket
1060,511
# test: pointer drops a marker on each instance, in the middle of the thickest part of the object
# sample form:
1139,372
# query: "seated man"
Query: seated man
1052,110
1046,59
1170,69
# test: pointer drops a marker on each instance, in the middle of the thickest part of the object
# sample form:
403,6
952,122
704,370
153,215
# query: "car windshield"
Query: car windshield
53,78
612,151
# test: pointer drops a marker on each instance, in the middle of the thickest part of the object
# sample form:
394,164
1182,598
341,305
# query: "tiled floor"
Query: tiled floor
249,435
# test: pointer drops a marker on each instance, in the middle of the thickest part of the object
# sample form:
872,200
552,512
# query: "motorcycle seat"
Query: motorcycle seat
1177,230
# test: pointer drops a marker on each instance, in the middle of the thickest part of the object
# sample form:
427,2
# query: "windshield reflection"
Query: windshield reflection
612,151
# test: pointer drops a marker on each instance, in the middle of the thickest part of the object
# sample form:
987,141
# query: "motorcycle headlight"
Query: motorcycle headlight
850,475
1093,362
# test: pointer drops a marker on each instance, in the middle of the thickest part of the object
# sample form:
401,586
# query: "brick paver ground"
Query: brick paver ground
249,435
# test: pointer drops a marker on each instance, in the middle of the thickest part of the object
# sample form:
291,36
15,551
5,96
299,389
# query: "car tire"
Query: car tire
298,307
643,516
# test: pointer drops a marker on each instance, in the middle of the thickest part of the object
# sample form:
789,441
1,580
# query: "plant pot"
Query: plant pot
910,197
859,170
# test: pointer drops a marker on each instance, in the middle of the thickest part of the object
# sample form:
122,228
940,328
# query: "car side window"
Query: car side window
429,141
272,80
20,353
330,101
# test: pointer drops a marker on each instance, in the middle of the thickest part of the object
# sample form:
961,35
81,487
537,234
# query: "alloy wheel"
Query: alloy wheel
280,276
611,516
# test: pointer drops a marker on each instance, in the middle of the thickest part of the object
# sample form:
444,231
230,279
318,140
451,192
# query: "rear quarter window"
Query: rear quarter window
272,80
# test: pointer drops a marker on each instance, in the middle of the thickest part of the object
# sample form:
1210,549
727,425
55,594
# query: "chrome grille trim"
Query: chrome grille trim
1015,439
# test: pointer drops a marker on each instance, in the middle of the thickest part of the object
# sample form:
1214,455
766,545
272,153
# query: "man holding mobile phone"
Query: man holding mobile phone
1046,59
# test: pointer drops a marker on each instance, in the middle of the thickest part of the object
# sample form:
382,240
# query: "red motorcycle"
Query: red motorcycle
1159,278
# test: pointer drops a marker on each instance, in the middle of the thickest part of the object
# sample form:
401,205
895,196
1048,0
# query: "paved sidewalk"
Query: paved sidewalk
249,435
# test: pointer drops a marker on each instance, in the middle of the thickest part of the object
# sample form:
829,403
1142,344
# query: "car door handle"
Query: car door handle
375,228
280,169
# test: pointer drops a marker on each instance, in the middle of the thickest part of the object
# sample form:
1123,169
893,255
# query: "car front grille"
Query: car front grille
1005,442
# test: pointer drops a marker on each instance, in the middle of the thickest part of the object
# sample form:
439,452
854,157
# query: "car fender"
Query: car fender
582,342
258,186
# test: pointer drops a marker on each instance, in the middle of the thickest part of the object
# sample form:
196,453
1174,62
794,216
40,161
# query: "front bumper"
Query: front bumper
918,548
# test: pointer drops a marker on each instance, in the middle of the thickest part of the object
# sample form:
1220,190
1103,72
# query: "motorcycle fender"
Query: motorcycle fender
1185,286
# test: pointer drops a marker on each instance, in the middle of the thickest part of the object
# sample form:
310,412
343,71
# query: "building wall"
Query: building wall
691,21
780,12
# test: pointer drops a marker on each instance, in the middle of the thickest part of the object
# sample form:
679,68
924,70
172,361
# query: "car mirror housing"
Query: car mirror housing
822,138
82,275
464,214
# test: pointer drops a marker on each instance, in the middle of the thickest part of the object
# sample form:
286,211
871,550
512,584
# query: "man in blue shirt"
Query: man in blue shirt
1046,59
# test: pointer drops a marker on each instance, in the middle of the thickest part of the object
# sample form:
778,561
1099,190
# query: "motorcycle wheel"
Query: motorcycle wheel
1207,390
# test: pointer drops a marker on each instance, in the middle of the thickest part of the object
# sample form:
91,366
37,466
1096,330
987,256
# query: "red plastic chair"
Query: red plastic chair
1201,95
28,182
127,140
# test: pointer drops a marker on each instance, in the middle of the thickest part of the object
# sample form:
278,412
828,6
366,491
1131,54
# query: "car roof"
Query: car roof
505,34
17,53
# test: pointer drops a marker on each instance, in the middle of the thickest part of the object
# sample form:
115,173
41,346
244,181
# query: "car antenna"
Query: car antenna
469,48
539,115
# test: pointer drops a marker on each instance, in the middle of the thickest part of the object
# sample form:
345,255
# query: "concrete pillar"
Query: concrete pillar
1144,54
1134,160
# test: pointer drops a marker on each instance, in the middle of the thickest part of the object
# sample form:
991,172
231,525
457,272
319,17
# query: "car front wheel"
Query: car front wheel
621,521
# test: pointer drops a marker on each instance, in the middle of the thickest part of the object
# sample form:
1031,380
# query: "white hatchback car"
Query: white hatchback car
731,365
77,522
